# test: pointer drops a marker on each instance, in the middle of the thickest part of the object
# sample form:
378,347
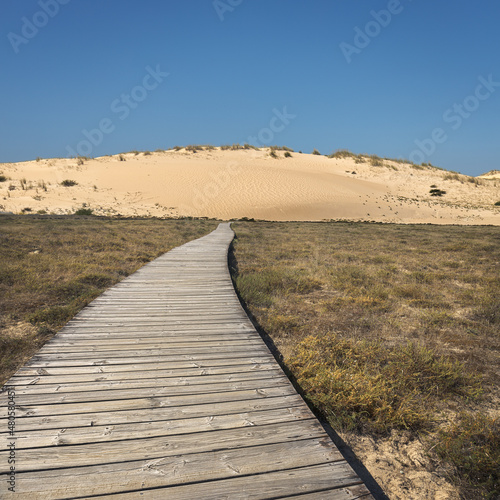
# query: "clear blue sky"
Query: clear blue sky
226,77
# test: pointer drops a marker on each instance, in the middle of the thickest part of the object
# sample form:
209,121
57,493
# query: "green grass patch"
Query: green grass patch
368,386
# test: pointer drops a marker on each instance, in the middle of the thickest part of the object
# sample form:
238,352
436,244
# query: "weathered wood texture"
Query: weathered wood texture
162,388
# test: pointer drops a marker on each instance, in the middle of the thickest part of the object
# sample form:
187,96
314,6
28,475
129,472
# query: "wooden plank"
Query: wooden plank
45,361
151,402
70,383
226,366
161,390
160,328
74,340
147,353
144,346
208,362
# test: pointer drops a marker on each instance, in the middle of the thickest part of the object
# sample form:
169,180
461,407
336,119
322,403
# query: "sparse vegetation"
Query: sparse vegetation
121,158
273,154
437,192
497,203
80,160
147,153
288,154
451,176
3,178
315,152
342,153
471,449
84,211
52,268
386,328
366,386
376,161
68,183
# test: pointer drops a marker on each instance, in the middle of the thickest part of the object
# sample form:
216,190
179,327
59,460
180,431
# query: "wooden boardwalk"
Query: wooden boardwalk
162,389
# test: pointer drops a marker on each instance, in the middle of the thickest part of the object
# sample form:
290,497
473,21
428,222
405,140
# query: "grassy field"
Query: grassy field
51,268
387,328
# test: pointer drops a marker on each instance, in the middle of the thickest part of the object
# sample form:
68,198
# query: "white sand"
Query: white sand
248,183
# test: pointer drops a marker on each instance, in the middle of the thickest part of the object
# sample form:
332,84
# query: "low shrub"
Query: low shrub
84,211
342,153
376,161
437,192
452,177
68,183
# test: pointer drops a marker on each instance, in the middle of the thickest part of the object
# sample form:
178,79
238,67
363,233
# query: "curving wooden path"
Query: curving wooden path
162,389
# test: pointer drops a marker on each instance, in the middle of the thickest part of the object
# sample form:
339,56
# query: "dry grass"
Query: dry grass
384,327
51,268
470,448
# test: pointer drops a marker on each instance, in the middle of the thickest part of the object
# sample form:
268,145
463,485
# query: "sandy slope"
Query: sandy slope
248,183
492,174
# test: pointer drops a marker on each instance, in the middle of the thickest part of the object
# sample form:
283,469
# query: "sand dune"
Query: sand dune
249,183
